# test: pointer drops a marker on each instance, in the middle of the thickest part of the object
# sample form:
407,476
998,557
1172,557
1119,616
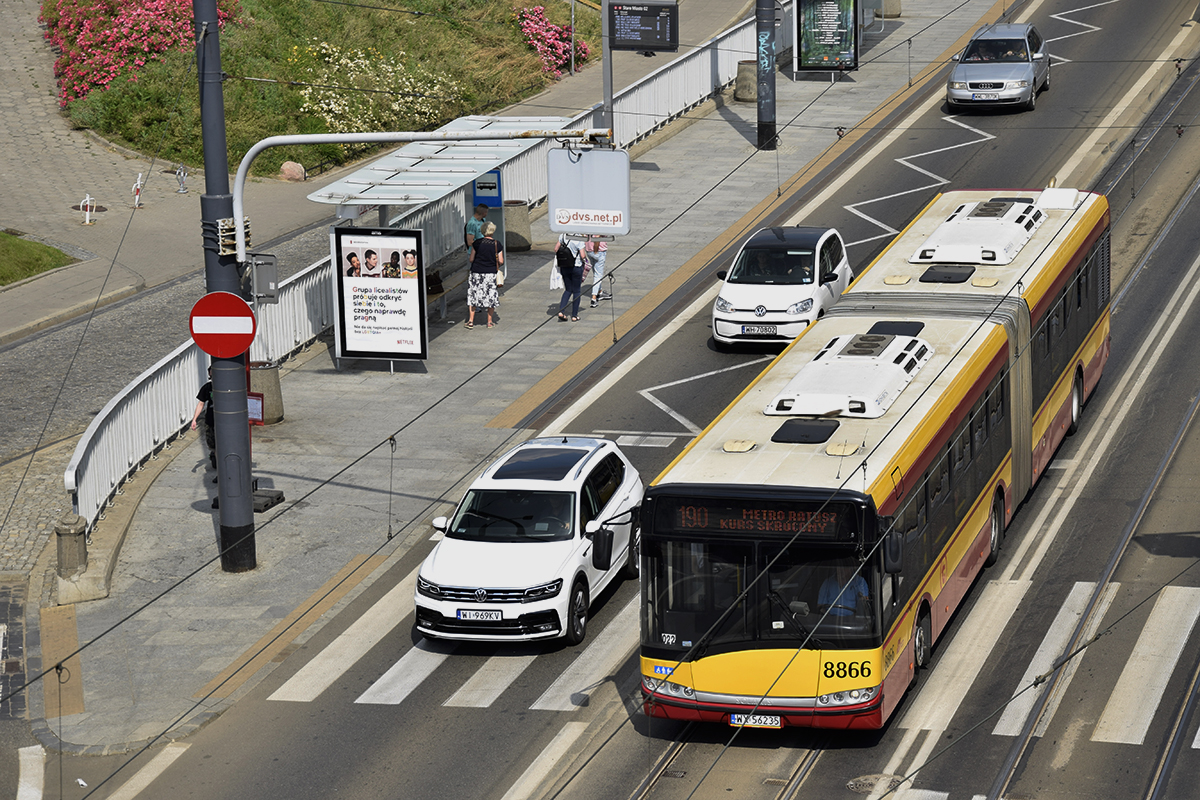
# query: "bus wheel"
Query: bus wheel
921,641
997,522
1076,404
577,612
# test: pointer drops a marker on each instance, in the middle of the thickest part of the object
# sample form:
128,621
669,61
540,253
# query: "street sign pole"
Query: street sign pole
232,421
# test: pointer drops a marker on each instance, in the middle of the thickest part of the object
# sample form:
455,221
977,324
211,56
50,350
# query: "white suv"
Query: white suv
539,534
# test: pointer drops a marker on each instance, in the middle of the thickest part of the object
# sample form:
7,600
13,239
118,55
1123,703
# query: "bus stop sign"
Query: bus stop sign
222,324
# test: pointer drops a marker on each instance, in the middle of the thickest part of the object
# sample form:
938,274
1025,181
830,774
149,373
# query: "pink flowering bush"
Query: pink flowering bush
101,40
551,42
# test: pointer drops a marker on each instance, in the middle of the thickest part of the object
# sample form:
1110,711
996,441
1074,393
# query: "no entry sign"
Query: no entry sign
222,324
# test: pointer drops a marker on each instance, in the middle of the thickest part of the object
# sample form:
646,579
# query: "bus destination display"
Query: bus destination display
834,521
649,27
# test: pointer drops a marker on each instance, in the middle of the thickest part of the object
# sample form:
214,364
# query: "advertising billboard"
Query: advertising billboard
828,34
379,294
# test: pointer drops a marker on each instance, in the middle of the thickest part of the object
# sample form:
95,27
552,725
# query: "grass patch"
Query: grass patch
412,71
20,258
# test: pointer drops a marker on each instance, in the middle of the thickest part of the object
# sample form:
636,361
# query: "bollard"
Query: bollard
137,191
88,205
181,175
264,378
71,532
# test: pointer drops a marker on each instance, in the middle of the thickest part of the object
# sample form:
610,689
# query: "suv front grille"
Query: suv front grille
472,595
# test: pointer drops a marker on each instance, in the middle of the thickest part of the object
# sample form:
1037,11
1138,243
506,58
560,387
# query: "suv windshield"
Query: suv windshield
1004,51
775,265
508,515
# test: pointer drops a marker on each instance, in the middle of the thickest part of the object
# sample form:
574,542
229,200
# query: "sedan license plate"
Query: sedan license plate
985,96
755,721
759,330
469,615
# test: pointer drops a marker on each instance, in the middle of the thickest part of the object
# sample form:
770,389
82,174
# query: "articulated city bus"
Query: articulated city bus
803,554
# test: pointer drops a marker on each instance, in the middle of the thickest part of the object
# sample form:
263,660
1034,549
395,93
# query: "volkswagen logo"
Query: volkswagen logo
481,595
760,311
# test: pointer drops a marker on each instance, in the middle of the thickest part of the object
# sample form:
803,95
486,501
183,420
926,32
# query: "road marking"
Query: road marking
1068,671
489,681
595,664
1053,646
610,379
1130,709
285,632
31,772
535,773
407,674
146,775
352,644
954,675
1121,107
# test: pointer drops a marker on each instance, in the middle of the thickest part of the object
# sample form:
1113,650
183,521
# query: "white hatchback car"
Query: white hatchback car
538,535
782,280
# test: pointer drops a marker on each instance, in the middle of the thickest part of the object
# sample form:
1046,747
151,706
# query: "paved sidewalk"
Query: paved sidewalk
144,679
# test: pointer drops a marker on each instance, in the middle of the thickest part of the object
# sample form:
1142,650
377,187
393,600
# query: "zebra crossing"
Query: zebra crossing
600,658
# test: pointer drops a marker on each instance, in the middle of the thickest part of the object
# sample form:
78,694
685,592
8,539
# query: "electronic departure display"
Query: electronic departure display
708,515
650,26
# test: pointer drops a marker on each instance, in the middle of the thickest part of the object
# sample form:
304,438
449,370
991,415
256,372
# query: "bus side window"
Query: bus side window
996,406
922,505
939,481
979,429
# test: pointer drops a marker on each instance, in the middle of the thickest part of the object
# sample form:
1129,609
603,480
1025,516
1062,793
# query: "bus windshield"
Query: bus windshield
815,597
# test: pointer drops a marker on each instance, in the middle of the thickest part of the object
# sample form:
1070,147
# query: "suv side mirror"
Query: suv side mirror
602,542
589,530
955,57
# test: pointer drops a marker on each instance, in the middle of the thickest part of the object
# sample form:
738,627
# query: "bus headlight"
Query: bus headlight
654,685
850,697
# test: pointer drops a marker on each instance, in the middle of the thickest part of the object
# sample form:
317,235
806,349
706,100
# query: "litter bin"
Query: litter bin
264,379
745,88
517,235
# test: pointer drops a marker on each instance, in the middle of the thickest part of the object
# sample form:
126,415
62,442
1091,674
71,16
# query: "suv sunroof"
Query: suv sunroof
540,464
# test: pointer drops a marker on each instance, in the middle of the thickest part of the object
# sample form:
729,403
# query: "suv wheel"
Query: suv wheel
577,612
632,563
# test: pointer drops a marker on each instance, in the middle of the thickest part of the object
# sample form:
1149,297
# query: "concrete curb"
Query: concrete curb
66,314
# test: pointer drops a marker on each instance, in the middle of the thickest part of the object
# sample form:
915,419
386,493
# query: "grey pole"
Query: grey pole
606,113
232,419
764,17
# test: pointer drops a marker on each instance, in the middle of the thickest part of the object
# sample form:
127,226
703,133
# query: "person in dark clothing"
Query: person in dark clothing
487,256
204,404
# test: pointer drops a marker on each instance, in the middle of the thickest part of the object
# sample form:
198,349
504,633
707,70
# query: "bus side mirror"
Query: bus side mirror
893,552
602,542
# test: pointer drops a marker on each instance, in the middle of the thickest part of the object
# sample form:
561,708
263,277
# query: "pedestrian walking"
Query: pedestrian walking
568,255
204,406
487,256
597,251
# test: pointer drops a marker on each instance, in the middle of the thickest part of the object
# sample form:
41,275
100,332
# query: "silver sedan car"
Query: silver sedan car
1004,65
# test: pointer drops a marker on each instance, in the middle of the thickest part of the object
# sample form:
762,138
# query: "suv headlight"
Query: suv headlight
428,589
803,307
723,305
542,592
849,697
958,84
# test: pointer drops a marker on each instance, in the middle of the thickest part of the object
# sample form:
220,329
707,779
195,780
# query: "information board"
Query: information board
646,27
379,294
828,35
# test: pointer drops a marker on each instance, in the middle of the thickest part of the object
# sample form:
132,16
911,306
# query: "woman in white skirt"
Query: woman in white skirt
487,256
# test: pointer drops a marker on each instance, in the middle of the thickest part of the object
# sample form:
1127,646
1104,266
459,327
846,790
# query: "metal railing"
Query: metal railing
157,406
